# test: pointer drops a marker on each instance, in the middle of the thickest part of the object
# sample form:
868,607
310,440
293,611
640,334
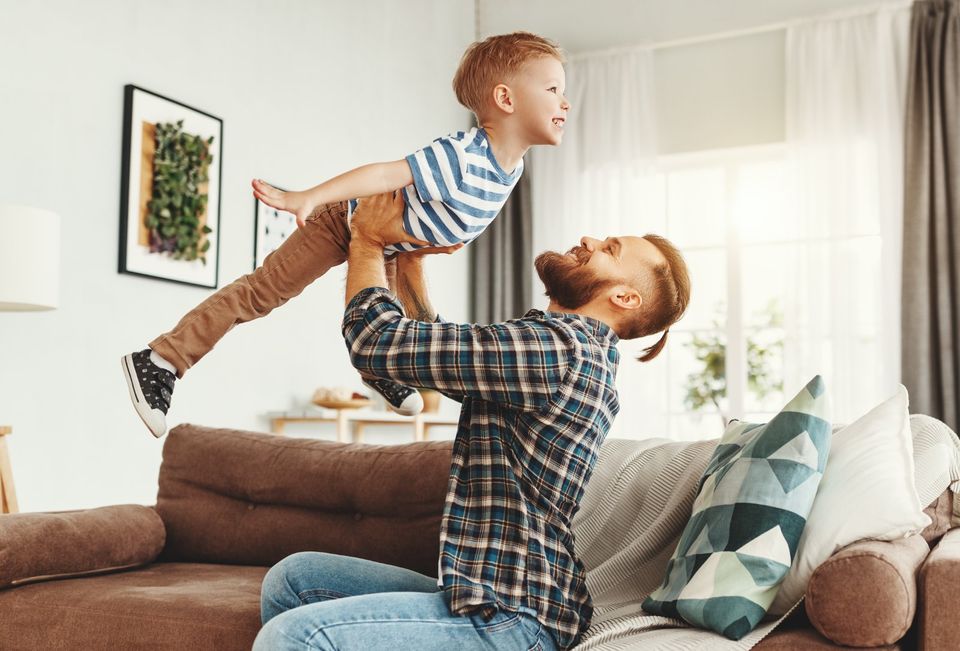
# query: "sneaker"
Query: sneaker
151,388
400,399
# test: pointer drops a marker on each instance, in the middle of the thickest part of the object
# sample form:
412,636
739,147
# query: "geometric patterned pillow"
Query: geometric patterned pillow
751,506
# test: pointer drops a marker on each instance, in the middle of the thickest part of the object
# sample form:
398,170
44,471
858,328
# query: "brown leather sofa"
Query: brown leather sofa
186,573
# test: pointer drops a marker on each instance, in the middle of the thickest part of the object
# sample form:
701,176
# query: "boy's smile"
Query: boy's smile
540,103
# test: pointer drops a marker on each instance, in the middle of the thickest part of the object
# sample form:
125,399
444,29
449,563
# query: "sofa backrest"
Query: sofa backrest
229,496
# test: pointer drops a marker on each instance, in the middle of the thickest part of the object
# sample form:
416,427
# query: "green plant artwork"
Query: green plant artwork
181,165
708,387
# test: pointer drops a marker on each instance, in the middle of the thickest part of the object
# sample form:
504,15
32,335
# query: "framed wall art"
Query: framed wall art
172,161
272,228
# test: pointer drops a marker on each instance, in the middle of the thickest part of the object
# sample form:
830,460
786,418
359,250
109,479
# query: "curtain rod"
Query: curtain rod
748,31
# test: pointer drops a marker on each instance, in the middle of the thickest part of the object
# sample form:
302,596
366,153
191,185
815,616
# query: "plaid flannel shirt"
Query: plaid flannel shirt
538,398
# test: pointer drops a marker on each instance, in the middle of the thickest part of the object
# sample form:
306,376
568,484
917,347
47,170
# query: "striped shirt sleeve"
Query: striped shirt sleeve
514,364
458,189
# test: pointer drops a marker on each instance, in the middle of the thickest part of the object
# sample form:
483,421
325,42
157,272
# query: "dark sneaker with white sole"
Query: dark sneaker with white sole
400,399
151,388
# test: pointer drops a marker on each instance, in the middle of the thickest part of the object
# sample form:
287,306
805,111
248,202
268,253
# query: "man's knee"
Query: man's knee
280,590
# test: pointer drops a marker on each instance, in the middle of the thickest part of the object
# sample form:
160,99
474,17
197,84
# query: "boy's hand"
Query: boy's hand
379,220
300,204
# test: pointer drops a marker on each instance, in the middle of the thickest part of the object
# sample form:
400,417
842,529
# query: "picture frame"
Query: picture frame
172,163
271,228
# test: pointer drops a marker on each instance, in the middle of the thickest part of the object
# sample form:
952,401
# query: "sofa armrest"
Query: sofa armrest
939,594
865,595
38,546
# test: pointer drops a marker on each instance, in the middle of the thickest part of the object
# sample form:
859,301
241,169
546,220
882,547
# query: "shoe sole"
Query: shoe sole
136,395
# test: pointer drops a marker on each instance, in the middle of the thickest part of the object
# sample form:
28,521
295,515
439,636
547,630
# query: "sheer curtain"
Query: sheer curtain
588,185
593,184
845,102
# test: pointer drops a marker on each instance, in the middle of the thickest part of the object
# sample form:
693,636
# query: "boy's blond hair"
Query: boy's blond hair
492,61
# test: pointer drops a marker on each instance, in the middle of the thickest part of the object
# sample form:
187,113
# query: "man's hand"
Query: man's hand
379,220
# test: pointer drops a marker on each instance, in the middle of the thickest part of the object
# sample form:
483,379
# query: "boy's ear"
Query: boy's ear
503,98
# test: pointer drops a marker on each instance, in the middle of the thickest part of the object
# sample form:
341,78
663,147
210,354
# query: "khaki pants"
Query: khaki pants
307,254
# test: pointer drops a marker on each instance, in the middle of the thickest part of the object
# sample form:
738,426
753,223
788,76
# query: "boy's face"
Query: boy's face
540,106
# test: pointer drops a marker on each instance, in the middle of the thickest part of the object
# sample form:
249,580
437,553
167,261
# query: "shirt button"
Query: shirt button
358,516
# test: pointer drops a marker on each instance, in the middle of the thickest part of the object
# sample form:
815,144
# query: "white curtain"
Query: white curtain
845,103
588,185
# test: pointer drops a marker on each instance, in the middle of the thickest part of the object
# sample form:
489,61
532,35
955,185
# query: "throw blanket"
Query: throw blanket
635,508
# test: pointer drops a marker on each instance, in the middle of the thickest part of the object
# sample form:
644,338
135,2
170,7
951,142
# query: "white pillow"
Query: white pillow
867,492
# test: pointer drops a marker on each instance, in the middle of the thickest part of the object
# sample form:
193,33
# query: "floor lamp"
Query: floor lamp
29,281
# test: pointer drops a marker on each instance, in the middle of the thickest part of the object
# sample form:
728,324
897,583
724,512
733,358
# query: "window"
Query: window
727,211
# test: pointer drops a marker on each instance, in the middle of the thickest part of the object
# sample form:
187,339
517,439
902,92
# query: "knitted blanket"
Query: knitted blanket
632,515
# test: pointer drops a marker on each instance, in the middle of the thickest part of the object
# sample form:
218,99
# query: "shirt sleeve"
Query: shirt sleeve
439,168
518,364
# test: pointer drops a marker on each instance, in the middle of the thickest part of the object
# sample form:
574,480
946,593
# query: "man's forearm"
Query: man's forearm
364,267
412,288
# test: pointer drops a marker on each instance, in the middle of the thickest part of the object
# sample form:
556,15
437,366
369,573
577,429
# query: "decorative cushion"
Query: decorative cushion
40,546
747,519
868,492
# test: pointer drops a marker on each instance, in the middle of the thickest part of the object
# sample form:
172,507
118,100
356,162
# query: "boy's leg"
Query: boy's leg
307,254
400,398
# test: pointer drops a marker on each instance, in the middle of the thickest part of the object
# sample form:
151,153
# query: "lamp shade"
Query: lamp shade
29,259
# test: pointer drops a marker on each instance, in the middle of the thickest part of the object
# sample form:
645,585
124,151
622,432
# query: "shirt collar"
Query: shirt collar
595,327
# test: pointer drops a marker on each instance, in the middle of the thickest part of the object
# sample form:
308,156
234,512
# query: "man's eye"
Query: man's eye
552,89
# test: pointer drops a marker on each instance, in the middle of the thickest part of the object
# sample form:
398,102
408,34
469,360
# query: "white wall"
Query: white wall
306,89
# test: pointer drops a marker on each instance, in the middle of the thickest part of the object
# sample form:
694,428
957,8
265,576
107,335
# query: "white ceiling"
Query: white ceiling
583,26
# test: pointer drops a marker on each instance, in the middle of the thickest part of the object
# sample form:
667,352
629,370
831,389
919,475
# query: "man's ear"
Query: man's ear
625,297
503,98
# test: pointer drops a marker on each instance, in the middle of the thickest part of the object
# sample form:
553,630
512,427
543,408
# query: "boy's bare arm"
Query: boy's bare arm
364,181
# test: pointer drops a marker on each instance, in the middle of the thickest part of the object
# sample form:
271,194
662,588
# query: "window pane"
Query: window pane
643,393
695,207
759,207
708,289
765,281
697,372
687,427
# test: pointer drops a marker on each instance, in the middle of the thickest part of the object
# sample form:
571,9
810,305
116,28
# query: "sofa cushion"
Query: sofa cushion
865,595
39,546
171,606
228,496
747,518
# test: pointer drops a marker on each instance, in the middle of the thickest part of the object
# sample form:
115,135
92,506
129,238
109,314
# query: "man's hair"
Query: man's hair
669,285
492,61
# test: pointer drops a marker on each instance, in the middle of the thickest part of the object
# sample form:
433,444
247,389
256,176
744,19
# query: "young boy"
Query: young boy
452,189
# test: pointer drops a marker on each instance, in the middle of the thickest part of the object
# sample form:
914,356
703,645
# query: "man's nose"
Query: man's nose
564,103
589,243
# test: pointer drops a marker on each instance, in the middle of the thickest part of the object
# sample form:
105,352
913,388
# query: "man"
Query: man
538,398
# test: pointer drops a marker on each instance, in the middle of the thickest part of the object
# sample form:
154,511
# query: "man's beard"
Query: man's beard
567,282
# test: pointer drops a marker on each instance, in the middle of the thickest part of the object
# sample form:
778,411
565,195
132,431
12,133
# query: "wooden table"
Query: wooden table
351,422
8,495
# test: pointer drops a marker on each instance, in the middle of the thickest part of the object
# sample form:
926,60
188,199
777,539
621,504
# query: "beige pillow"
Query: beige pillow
867,492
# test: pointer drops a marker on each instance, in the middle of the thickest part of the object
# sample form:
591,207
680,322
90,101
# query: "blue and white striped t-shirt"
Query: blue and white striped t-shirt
458,189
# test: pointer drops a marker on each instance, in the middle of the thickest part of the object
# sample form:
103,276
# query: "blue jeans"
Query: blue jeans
313,600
